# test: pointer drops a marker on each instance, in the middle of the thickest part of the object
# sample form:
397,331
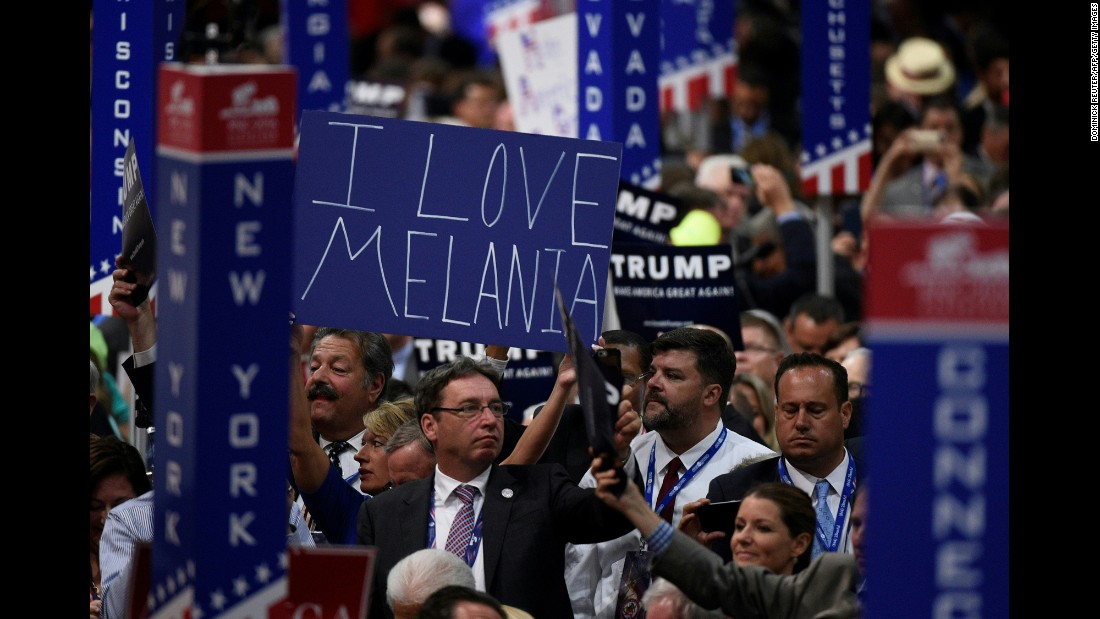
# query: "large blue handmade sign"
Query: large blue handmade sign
451,232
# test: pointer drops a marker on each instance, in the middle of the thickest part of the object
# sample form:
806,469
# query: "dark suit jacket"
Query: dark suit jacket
142,379
776,294
734,420
733,485
569,445
524,534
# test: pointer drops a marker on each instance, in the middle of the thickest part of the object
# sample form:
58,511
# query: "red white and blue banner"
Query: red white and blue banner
618,56
316,45
836,97
938,421
224,187
129,41
698,58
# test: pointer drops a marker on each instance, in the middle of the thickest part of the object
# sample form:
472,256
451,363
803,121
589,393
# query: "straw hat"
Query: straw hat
920,67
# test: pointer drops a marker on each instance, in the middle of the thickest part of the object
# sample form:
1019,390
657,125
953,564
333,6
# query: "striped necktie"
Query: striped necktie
463,526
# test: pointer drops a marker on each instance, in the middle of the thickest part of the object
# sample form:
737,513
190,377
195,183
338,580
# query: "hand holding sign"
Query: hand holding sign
139,239
599,387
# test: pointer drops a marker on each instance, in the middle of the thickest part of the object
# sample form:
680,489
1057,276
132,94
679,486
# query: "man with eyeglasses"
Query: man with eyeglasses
509,523
764,346
686,390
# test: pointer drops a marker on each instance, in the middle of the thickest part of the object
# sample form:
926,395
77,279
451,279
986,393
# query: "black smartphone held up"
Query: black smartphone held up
140,293
595,376
718,516
611,366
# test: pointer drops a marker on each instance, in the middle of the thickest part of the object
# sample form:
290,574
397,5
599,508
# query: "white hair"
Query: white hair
424,572
720,160
661,589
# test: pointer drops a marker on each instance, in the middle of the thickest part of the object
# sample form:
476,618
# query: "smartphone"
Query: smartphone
602,434
611,365
926,140
140,293
741,176
718,516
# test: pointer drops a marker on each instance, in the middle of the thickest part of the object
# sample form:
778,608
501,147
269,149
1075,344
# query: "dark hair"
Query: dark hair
713,358
692,196
892,113
846,330
943,102
374,351
630,339
109,456
814,360
397,389
819,307
430,387
988,44
441,603
796,510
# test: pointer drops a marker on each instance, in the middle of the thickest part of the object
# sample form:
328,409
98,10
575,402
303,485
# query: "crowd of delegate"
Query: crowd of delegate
512,515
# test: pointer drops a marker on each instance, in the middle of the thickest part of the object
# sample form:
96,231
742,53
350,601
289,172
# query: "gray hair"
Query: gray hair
661,589
424,572
767,320
409,432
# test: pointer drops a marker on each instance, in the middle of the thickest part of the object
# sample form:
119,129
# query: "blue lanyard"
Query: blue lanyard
683,481
475,539
831,542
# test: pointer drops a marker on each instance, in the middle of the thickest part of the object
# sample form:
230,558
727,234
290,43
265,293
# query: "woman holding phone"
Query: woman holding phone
773,527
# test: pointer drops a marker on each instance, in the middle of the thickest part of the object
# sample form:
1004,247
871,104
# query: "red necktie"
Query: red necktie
671,477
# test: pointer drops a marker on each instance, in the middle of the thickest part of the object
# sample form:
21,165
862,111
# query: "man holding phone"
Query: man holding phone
686,388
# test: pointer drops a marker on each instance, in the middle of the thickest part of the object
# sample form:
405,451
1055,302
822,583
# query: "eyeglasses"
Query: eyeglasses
858,390
629,380
758,348
469,411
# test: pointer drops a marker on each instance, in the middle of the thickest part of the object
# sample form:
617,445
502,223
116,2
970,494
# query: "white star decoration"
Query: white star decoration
836,143
240,586
105,266
217,599
263,573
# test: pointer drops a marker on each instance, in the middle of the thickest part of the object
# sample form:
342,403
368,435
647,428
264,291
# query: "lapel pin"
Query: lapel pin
506,493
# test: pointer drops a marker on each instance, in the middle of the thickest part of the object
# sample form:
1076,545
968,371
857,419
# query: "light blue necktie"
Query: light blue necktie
825,522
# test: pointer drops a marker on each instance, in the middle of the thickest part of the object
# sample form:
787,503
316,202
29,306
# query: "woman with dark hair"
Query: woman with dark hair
774,528
828,585
117,474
